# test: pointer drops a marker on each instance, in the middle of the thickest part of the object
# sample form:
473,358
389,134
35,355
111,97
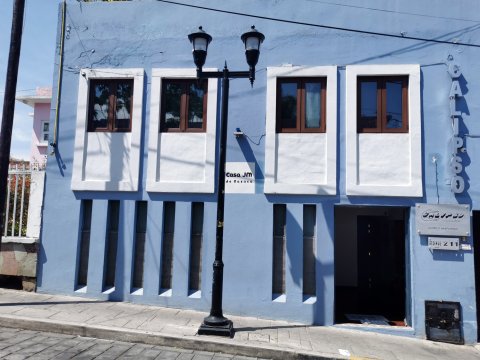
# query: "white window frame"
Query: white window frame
81,131
414,187
329,187
154,134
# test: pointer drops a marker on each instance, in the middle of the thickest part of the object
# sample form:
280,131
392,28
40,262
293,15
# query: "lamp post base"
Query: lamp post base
219,326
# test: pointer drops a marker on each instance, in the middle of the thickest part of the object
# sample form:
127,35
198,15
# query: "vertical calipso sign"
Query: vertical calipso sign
457,182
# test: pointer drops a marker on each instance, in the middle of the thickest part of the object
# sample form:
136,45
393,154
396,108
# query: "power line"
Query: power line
322,26
393,11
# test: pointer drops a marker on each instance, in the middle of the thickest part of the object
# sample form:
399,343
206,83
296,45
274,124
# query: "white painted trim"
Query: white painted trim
78,175
154,136
414,187
271,185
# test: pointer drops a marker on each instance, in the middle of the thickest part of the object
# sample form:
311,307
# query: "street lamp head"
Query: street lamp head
200,41
252,40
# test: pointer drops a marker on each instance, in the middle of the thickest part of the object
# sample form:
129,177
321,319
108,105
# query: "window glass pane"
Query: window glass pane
394,104
124,105
45,126
195,106
173,97
368,104
288,105
312,105
45,137
101,103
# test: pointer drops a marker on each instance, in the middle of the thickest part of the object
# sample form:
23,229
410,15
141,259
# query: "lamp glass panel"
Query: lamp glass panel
200,43
252,43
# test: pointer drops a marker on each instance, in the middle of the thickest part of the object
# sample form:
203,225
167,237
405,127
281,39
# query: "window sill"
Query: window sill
280,298
137,292
197,294
308,299
166,292
109,291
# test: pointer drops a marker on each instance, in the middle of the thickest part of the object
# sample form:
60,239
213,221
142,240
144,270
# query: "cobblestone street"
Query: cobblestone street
24,344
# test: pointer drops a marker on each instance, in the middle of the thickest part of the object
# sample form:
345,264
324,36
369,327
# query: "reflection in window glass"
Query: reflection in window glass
195,106
368,104
123,105
288,105
173,94
312,105
101,104
110,105
394,104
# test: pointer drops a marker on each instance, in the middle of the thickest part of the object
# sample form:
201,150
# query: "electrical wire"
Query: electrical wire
392,11
404,36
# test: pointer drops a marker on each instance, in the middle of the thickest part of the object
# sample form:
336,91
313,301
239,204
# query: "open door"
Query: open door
376,291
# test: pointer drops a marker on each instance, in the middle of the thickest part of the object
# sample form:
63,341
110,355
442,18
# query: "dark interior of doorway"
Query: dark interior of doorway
370,265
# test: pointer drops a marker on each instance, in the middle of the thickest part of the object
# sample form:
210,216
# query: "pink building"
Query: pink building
40,102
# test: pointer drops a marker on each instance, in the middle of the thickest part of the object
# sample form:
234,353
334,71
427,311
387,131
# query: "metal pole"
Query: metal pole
9,101
216,323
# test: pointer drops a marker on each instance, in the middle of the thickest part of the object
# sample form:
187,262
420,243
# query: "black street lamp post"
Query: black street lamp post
216,323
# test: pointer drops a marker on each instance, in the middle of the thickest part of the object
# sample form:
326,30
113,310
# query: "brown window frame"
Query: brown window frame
382,104
112,105
184,101
300,123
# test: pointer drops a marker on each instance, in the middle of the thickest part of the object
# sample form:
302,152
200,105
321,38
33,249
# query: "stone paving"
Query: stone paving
254,337
26,344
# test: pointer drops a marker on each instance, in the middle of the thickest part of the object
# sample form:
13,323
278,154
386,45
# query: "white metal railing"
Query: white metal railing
16,207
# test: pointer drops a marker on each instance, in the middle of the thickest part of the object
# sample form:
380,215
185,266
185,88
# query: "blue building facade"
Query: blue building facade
349,146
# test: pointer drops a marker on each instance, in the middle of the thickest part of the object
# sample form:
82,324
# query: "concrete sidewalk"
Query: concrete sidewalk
177,328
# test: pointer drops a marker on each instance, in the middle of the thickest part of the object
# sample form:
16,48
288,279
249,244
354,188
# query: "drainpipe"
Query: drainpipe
53,143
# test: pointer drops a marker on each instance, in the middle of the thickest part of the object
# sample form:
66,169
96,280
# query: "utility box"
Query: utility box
443,321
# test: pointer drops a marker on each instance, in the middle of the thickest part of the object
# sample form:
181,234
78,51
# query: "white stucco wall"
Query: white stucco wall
182,161
384,160
107,157
301,158
107,161
301,163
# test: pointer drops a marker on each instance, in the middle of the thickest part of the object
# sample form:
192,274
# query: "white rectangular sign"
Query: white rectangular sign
443,219
443,243
240,178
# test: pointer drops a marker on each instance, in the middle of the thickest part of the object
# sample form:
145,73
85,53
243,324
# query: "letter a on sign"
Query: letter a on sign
455,90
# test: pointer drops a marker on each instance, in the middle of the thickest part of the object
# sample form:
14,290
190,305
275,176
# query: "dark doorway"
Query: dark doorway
476,257
370,277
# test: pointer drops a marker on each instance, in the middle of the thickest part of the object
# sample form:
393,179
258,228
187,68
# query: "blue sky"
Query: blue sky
36,62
